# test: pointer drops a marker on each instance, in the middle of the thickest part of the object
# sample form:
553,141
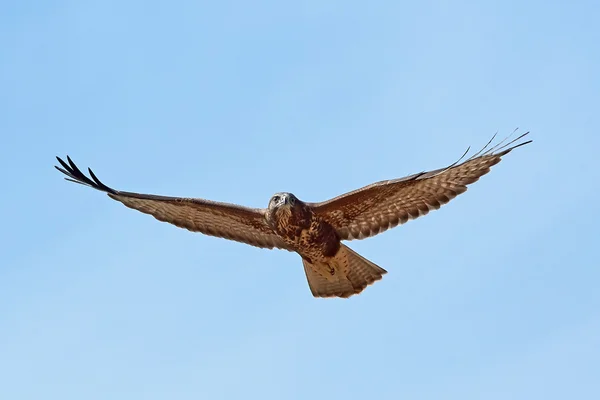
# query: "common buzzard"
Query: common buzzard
315,230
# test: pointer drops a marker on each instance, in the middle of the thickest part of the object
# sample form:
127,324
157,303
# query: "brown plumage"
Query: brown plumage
315,230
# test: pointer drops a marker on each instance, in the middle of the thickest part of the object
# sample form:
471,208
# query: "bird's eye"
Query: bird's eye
275,199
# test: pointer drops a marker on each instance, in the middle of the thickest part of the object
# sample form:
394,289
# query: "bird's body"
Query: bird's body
330,267
316,230
303,231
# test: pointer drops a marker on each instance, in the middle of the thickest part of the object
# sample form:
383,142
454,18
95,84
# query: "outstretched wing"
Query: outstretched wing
229,221
375,208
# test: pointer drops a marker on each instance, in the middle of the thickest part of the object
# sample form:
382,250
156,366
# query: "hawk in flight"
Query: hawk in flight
316,230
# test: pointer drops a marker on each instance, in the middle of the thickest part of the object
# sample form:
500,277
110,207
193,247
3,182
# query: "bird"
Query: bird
316,231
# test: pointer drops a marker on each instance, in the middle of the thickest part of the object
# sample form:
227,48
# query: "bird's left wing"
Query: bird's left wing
375,208
228,221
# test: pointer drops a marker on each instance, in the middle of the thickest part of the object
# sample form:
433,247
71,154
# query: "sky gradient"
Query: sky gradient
494,296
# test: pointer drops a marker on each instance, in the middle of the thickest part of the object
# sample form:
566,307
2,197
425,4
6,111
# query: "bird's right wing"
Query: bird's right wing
228,221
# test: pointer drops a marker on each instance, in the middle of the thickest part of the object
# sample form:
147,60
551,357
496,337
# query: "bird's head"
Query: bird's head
280,200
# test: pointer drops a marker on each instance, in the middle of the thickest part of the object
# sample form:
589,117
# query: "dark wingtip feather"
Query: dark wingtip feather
507,148
61,170
498,150
501,148
74,174
97,181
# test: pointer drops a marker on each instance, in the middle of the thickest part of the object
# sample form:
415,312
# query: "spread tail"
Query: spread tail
346,274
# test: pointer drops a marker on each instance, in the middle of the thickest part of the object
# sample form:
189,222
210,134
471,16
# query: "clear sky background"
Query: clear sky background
495,296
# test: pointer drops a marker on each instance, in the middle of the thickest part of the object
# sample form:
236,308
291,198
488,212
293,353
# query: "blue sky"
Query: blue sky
495,296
